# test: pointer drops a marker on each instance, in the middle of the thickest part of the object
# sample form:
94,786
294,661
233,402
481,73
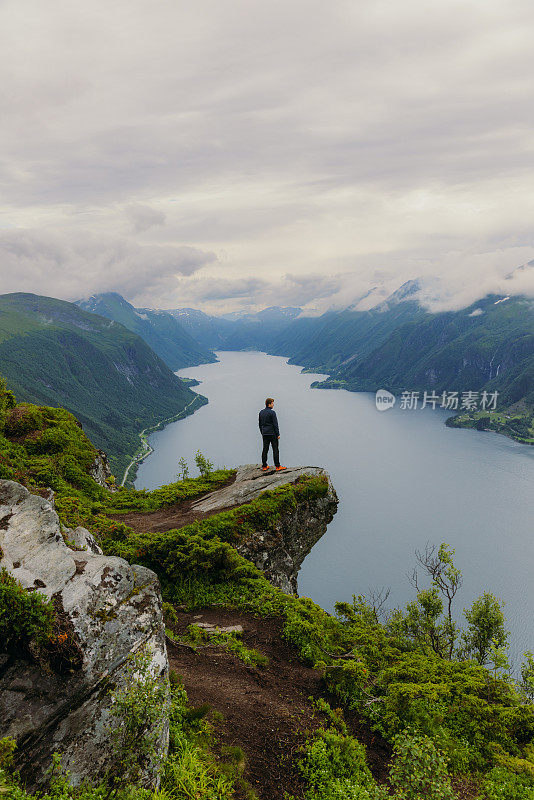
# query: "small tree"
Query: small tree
423,621
205,467
370,607
498,660
26,618
527,676
183,474
486,629
138,710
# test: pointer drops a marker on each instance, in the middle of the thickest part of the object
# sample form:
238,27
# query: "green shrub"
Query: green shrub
25,617
419,769
7,749
527,675
486,628
335,768
178,553
138,711
501,784
46,447
6,471
231,642
7,401
51,441
458,704
23,419
169,613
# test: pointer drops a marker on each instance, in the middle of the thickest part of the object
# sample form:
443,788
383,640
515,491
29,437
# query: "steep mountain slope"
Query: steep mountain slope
160,330
210,332
336,338
398,345
239,331
54,353
489,345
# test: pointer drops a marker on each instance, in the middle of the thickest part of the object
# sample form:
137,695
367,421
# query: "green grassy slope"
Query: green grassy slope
54,353
160,330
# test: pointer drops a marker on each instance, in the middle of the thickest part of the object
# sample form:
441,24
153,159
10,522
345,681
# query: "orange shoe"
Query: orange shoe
279,469
264,469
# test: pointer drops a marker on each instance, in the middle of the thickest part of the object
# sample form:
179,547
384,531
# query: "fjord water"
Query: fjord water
403,479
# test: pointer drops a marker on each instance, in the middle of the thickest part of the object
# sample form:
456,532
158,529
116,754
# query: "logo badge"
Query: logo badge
384,400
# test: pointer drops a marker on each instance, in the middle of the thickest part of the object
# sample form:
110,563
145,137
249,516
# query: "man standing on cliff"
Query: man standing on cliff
269,430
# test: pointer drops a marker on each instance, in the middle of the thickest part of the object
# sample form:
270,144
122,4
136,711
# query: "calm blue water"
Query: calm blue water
402,478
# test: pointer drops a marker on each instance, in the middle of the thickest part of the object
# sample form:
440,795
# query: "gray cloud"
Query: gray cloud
142,218
214,293
374,142
74,266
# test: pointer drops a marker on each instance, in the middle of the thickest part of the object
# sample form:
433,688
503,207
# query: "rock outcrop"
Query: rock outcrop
101,473
112,609
279,552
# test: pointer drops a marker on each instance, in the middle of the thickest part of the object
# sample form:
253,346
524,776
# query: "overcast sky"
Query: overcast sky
229,154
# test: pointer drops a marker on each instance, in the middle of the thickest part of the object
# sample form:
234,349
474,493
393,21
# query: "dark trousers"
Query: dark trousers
273,441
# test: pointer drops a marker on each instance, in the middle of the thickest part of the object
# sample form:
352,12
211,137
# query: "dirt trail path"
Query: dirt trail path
169,517
267,711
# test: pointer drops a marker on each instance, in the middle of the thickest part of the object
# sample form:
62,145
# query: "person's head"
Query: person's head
269,403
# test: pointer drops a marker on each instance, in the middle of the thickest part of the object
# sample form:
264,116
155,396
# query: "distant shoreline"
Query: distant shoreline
146,449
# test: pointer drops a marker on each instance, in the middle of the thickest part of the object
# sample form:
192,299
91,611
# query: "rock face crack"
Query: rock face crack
114,609
4,522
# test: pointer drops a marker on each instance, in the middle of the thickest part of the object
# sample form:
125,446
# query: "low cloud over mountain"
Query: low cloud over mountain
80,263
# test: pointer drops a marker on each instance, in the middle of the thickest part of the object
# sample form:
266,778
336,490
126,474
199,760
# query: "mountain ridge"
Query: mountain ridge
54,353
159,329
238,330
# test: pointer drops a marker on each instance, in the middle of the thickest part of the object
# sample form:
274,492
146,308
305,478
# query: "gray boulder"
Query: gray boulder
279,552
100,471
112,609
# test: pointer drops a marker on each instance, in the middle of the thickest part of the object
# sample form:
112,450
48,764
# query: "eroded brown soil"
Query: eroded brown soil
267,711
169,517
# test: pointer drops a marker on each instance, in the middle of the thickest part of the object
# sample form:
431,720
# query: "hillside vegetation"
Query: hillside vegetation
454,722
54,353
488,345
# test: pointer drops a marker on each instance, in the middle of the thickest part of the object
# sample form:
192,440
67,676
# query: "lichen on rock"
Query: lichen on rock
101,473
114,610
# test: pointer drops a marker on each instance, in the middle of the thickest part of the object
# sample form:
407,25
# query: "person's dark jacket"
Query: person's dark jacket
268,422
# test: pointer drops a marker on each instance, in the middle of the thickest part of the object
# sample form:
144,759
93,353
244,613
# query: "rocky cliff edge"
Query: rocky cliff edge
280,550
113,610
